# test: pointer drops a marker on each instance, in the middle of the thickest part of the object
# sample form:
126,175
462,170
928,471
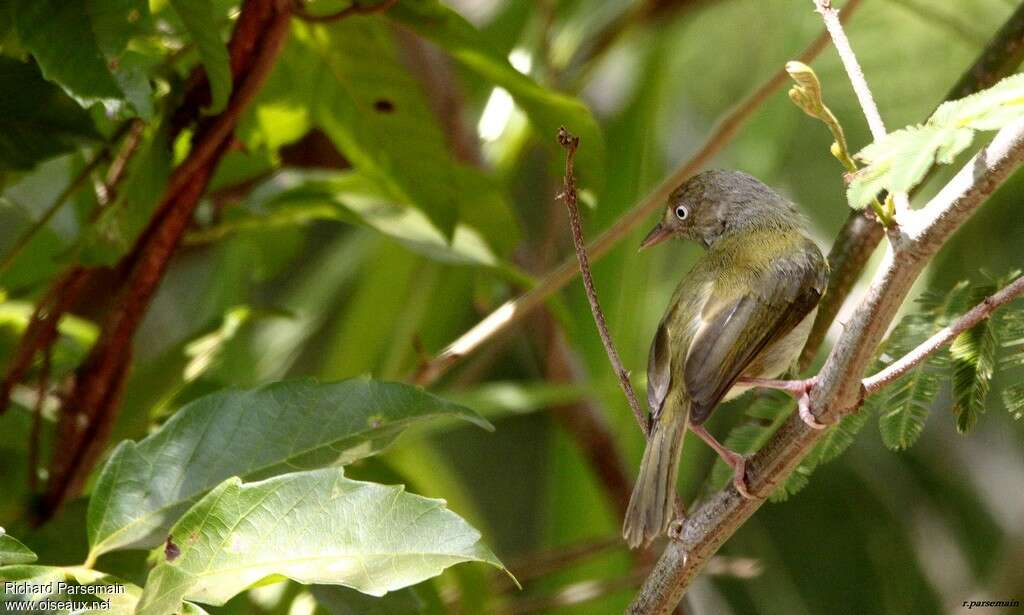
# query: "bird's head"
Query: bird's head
714,204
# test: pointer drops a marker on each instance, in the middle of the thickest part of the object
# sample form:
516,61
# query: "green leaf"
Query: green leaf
1013,399
546,109
312,527
989,109
974,359
355,197
37,120
254,433
338,600
198,18
79,45
13,552
121,595
836,440
900,160
905,404
375,113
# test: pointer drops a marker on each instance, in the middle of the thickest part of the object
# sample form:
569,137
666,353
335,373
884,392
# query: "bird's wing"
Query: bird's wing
737,327
659,370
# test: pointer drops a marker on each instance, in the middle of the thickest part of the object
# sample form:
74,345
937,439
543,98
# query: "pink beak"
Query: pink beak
657,235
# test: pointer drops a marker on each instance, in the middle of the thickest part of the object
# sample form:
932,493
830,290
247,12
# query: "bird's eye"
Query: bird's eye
681,212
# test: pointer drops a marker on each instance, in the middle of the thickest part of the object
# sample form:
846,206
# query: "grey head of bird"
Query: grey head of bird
718,203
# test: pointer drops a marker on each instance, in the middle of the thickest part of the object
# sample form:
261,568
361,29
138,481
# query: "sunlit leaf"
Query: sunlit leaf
313,527
13,552
145,486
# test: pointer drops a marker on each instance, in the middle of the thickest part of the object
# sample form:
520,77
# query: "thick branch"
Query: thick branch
511,311
570,143
838,388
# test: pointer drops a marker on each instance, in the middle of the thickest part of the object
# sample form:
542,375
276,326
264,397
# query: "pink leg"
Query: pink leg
800,389
737,462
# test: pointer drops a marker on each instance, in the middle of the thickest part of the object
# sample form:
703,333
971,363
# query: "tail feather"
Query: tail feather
652,504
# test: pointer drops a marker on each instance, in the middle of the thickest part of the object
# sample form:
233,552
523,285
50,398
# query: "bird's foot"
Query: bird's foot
736,461
800,389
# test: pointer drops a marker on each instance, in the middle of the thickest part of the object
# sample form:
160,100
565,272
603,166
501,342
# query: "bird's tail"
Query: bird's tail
652,504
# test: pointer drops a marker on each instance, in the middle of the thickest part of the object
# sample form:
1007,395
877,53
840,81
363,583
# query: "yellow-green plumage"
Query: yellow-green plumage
744,309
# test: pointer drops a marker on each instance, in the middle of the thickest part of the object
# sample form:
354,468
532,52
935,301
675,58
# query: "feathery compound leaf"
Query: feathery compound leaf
974,359
904,406
1013,399
836,440
900,160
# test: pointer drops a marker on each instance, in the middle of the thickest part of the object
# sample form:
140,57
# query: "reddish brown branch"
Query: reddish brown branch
91,409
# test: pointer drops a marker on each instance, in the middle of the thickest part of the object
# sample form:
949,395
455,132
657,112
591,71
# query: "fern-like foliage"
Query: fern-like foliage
835,441
974,361
903,407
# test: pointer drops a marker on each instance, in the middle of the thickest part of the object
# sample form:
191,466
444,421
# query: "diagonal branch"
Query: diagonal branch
511,311
838,388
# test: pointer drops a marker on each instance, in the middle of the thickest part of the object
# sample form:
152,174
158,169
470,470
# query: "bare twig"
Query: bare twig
852,66
838,387
861,235
933,344
511,311
570,142
356,8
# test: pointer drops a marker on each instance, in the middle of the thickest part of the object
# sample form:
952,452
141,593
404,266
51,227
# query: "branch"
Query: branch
861,235
355,8
89,413
933,344
838,388
860,85
570,143
511,311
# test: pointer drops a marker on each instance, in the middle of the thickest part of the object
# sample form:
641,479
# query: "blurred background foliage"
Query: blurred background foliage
394,182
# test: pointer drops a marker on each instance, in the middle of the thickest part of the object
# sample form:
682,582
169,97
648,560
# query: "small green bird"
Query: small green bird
744,310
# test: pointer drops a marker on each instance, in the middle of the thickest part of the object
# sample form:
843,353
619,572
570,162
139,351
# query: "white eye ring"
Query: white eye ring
681,212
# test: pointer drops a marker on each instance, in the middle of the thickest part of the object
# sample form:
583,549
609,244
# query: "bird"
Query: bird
741,315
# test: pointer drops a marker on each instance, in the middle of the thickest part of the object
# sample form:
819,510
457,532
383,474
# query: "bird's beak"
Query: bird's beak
658,234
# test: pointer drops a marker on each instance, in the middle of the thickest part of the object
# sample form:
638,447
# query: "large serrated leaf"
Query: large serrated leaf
80,45
256,433
313,527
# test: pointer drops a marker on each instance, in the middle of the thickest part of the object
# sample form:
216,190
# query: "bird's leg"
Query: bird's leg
800,389
737,462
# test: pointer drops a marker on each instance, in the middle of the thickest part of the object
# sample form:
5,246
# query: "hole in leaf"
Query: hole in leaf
384,105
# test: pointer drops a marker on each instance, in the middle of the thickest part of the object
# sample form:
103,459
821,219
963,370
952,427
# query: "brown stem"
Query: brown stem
570,142
91,408
513,310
